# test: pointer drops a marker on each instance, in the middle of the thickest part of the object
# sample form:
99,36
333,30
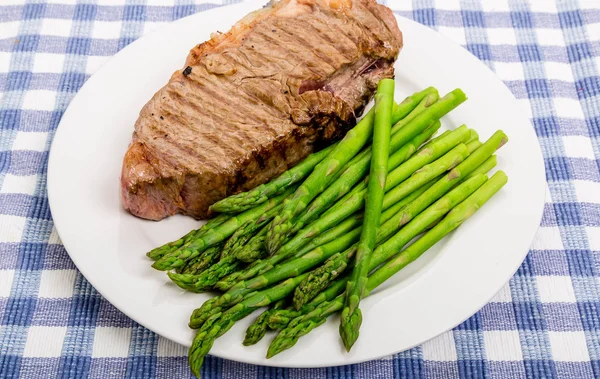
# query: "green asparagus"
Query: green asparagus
246,200
257,330
248,230
355,172
280,318
355,202
305,323
203,261
335,266
160,251
221,323
285,270
351,315
321,176
216,235
206,280
254,249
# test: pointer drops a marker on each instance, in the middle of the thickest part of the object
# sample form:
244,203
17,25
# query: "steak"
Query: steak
248,104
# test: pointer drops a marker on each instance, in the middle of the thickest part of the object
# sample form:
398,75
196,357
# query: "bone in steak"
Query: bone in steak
285,81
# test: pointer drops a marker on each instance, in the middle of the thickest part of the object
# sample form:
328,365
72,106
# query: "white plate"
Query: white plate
443,288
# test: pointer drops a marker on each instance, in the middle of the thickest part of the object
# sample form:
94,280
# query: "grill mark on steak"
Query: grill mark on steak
221,124
296,54
284,82
339,41
290,34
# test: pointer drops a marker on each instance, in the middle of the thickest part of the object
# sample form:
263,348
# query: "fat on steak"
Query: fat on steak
284,82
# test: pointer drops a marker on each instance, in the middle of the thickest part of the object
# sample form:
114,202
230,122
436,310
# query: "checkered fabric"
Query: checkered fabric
544,324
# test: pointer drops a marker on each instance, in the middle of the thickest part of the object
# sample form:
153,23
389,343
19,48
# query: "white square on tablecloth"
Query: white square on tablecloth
73,2
46,62
4,62
6,279
19,184
9,29
110,342
568,346
501,36
54,237
568,108
550,37
449,5
57,284
555,289
509,70
587,191
593,31
502,345
559,71
547,238
56,27
163,3
495,6
455,34
35,141
593,233
11,228
45,341
106,29
41,100
441,349
587,4
578,147
168,348
543,6
503,296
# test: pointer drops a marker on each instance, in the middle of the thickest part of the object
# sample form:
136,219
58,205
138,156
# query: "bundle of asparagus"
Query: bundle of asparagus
326,233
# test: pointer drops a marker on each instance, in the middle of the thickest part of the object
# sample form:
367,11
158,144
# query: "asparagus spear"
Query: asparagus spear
280,318
160,251
336,265
474,136
246,200
335,232
216,235
206,280
318,180
286,270
203,261
302,325
257,330
474,145
221,323
227,282
355,172
254,249
485,167
242,289
355,202
323,275
245,232
352,315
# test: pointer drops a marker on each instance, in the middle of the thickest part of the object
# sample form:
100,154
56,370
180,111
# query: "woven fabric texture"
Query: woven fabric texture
544,324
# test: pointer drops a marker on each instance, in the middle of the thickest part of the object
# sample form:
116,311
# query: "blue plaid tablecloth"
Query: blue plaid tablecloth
544,324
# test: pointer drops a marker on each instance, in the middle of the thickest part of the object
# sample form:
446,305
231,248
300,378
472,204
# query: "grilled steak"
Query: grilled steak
285,81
